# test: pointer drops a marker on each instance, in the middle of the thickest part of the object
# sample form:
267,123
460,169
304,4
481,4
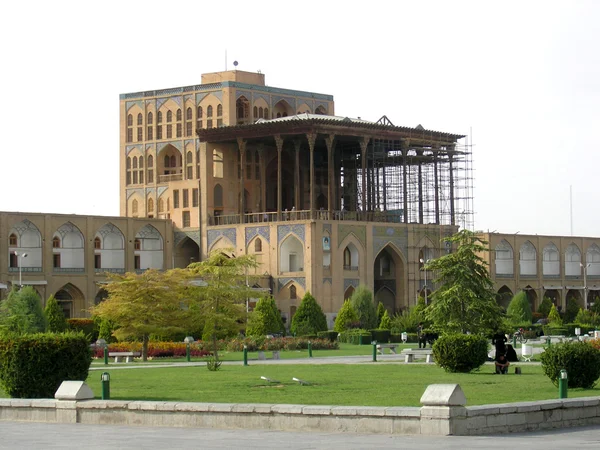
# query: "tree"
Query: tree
519,309
362,302
309,318
218,292
265,319
139,305
346,317
465,300
545,307
554,316
22,312
380,311
571,310
55,318
386,322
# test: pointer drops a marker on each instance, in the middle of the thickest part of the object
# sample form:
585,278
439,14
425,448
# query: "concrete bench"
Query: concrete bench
410,354
262,356
127,355
392,347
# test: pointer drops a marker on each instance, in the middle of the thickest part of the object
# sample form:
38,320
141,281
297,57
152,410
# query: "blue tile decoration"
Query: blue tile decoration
139,191
161,101
135,103
160,190
246,94
326,280
200,96
187,98
354,282
324,105
129,148
214,234
181,235
150,190
177,144
188,142
150,147
327,227
397,235
177,100
252,232
150,102
284,230
266,98
281,282
219,95
359,231
290,100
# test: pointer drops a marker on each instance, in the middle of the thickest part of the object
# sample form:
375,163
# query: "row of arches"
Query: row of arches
261,111
25,248
505,295
551,260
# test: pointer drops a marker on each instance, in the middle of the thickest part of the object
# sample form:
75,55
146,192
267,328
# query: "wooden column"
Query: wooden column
297,145
404,183
330,142
312,137
452,218
436,187
420,186
279,143
263,175
242,149
363,151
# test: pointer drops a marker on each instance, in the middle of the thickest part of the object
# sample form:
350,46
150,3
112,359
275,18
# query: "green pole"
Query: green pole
106,355
374,351
514,341
245,355
563,384
309,349
187,352
548,341
105,378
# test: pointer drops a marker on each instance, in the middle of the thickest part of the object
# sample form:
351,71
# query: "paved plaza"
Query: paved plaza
23,435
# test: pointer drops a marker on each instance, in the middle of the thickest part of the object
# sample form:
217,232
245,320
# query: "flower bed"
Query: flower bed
157,349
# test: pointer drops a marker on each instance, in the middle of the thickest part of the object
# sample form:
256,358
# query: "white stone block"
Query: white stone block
74,390
443,395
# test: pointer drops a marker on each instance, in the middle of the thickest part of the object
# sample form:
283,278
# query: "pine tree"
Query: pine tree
265,319
571,310
554,316
309,318
362,302
55,318
386,322
519,309
380,311
545,307
22,312
345,318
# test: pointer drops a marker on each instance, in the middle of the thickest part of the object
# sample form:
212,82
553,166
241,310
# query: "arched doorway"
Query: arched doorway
554,296
100,296
70,299
504,297
388,270
348,292
576,295
531,297
187,252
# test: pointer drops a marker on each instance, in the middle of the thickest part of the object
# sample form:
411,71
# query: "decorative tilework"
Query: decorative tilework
327,227
252,232
218,94
150,190
266,98
177,100
395,235
200,96
228,233
136,103
177,144
189,142
290,100
324,105
150,102
188,98
129,148
150,147
326,280
139,191
181,235
281,282
284,230
160,101
246,94
433,235
354,282
160,190
359,231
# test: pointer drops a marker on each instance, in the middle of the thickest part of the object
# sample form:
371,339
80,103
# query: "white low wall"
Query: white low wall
441,414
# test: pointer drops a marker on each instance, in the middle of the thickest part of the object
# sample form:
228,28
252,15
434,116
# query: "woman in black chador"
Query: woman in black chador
499,341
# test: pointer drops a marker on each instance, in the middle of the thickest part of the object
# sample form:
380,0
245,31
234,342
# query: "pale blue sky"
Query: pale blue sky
524,76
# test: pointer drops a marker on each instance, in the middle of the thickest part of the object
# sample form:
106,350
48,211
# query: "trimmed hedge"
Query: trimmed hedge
460,352
581,360
35,365
356,336
331,335
380,335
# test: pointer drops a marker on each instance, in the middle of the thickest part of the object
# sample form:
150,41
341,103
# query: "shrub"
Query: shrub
55,318
34,366
554,316
460,352
266,319
581,360
379,335
519,309
22,312
571,310
545,307
86,326
362,302
409,320
309,318
331,335
356,336
346,317
380,312
386,322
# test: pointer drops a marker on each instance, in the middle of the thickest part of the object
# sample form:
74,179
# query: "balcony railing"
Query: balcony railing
111,270
25,269
350,267
234,219
171,177
68,269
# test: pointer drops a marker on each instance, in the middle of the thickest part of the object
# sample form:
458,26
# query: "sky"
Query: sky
522,78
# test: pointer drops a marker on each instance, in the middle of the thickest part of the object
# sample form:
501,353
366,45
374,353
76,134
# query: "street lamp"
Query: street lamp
422,261
19,256
585,299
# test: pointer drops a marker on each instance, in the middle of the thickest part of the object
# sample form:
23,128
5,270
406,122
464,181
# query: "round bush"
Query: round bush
580,359
460,352
34,365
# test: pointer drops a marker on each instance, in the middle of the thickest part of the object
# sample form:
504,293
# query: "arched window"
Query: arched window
150,205
293,294
134,206
260,112
199,112
97,243
217,163
55,242
347,258
551,261
169,116
159,117
179,115
173,161
129,120
188,158
141,162
167,161
150,118
527,259
242,107
219,110
572,261
209,111
135,162
12,240
140,119
258,245
150,161
218,196
255,112
266,113
137,245
128,164
161,205
504,259
188,114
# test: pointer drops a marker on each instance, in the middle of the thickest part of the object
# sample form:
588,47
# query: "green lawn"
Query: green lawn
369,384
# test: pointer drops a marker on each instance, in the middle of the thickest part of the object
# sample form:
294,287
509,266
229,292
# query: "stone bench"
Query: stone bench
262,356
392,347
127,355
410,354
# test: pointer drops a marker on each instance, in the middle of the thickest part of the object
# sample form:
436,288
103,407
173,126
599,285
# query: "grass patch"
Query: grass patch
360,384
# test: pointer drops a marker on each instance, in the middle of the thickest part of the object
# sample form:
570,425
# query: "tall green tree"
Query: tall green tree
55,318
554,316
386,322
346,317
465,300
362,302
380,311
309,318
571,310
545,307
265,319
139,305
218,288
22,312
519,309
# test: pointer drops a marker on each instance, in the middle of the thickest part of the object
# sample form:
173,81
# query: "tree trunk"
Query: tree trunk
145,348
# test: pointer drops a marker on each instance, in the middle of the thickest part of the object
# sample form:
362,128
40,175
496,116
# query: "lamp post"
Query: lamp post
422,261
585,299
19,257
188,340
